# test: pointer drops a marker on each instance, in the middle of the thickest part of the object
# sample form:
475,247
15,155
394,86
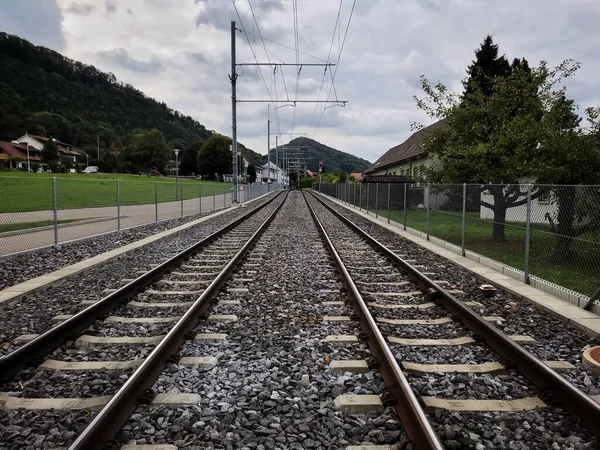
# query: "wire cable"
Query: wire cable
337,64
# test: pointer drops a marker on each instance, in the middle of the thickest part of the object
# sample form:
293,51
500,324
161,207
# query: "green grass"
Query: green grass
580,273
23,192
27,225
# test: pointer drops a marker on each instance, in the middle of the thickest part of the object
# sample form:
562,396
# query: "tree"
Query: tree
486,67
251,174
491,134
189,160
147,150
570,157
215,157
50,154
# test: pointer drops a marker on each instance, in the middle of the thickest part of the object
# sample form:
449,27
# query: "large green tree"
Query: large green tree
50,155
491,134
189,160
215,156
147,150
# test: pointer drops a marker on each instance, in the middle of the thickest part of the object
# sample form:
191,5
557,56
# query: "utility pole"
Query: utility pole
98,145
276,159
233,78
268,147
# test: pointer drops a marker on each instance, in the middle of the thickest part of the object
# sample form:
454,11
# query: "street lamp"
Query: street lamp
176,150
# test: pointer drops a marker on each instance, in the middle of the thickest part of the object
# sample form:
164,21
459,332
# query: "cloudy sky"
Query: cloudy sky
178,51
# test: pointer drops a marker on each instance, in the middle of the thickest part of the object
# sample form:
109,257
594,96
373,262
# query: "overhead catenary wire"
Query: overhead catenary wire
337,21
337,64
297,45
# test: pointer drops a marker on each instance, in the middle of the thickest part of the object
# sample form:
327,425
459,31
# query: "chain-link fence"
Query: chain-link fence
543,234
41,211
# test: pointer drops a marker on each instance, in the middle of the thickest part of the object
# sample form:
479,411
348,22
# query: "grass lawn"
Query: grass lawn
26,225
580,273
33,192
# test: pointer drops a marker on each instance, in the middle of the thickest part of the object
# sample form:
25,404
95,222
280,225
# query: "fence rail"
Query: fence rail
39,212
542,233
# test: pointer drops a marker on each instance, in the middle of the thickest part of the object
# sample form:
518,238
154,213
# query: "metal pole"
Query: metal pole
464,219
55,207
428,208
354,195
276,160
181,196
224,199
98,145
376,200
176,174
527,235
118,205
405,189
360,197
214,199
28,165
233,78
199,199
156,201
268,147
368,189
388,205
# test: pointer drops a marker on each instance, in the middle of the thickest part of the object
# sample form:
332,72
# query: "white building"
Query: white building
37,142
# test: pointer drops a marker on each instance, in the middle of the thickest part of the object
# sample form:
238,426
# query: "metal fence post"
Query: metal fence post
156,201
464,219
405,189
376,200
181,196
388,205
360,197
55,207
368,189
354,195
118,205
428,208
214,199
199,199
527,236
224,199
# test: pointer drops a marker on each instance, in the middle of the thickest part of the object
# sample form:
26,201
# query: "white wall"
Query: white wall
519,213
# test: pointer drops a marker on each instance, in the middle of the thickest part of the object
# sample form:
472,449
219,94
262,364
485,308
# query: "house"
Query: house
270,173
15,156
310,173
37,142
358,176
408,158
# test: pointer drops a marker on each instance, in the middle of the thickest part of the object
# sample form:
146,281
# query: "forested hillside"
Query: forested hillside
45,93
333,160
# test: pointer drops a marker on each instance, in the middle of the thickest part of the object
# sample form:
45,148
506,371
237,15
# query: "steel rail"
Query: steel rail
544,378
29,353
114,415
413,418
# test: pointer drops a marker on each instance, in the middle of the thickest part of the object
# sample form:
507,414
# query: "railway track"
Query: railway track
415,311
269,335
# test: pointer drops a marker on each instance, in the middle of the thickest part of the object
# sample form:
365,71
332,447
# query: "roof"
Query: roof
17,151
310,173
66,147
356,175
387,179
409,149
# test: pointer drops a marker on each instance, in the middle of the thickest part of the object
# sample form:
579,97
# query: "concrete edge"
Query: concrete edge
51,227
485,268
16,292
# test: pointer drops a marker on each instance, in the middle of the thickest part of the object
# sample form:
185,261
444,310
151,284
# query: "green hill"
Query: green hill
45,93
333,160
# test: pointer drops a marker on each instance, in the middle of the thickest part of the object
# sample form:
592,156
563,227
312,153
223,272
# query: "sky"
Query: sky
179,52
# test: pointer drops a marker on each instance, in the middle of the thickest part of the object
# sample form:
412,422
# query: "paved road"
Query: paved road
130,216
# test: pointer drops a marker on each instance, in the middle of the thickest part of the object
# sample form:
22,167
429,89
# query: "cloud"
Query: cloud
111,6
81,9
39,21
120,57
130,12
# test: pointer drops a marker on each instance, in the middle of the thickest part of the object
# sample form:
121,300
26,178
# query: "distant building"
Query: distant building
14,156
408,158
37,142
358,176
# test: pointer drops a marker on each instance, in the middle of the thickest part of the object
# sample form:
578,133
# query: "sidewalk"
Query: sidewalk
131,216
